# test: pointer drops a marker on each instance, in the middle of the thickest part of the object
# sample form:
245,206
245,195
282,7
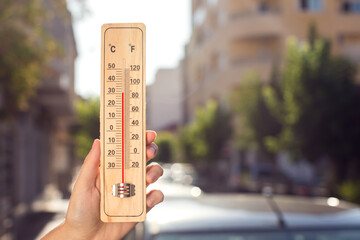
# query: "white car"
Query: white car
194,215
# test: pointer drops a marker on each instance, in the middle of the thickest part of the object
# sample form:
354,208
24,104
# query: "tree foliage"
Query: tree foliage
254,123
88,112
204,139
25,48
318,105
310,110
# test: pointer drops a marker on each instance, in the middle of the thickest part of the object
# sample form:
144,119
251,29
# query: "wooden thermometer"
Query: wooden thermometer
122,123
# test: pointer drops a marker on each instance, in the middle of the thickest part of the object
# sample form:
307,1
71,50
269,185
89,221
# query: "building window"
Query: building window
263,7
351,6
311,5
199,16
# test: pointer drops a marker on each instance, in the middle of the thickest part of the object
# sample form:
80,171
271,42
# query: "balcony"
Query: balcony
255,24
352,52
347,23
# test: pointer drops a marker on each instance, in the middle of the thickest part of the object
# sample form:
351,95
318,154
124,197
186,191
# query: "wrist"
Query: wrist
60,232
68,232
73,233
63,231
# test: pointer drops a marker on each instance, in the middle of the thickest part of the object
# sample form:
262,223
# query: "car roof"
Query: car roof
214,212
316,212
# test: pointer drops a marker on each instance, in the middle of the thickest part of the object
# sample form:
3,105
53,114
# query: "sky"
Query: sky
168,28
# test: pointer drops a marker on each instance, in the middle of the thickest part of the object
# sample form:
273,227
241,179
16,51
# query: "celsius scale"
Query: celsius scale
122,123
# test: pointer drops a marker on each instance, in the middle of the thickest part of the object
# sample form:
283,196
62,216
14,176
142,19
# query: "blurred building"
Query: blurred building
231,37
165,100
35,147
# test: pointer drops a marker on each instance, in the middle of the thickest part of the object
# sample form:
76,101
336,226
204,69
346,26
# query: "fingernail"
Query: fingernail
154,150
93,144
150,202
152,177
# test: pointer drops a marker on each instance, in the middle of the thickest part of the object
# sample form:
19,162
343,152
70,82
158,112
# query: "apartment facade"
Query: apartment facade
232,37
165,100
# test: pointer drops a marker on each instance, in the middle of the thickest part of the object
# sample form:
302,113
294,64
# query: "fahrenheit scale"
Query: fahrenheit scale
122,123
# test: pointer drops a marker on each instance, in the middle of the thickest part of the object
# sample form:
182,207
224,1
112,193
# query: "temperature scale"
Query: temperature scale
122,123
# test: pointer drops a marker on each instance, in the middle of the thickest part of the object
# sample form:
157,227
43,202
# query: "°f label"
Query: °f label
122,123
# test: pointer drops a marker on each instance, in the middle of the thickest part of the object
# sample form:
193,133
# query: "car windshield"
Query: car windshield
297,235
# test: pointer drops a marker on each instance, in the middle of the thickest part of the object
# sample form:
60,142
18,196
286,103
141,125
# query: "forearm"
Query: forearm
60,232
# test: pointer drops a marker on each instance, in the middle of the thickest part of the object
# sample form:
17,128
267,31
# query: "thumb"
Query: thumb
90,167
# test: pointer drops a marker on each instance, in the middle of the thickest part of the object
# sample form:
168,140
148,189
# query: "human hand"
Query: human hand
83,215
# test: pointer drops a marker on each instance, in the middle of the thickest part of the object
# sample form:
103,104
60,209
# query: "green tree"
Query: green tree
310,110
25,48
319,103
204,139
88,112
319,109
254,123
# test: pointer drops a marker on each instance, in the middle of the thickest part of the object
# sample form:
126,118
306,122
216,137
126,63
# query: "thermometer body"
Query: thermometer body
122,123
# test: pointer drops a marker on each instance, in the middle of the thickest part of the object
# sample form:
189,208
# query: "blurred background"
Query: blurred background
251,99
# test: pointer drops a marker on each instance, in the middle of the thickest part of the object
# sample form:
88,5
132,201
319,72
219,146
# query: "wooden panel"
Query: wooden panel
122,123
